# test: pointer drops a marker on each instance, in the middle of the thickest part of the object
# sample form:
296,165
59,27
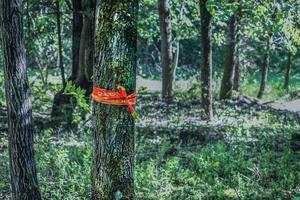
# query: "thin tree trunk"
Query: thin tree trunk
24,184
206,69
288,72
229,60
77,23
237,68
237,72
61,108
115,64
264,70
176,60
166,49
60,52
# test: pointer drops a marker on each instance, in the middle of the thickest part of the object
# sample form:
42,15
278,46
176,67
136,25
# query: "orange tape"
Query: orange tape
115,98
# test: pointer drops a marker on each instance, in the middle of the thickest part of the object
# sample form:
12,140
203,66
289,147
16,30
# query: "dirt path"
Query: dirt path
155,85
293,106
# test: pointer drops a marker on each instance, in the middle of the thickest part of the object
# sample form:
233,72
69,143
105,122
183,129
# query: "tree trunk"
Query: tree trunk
237,72
115,64
206,69
77,23
229,60
288,72
60,53
265,69
62,109
86,50
237,68
175,61
24,184
166,49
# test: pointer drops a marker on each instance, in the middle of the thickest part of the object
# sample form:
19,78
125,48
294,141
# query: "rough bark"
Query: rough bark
206,69
115,64
24,184
229,60
288,72
77,23
166,49
264,70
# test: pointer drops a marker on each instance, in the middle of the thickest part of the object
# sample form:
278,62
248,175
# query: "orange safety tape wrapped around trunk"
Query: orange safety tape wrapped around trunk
115,98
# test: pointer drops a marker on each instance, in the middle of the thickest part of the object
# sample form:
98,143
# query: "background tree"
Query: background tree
230,57
77,23
59,44
82,58
24,184
265,67
288,72
168,66
290,30
86,47
115,64
185,25
61,103
237,68
206,68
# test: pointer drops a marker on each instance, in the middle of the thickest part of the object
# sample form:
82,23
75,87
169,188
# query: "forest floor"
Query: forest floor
247,152
156,86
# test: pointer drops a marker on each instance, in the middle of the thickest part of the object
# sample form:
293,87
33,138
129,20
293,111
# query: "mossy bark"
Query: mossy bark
115,64
206,68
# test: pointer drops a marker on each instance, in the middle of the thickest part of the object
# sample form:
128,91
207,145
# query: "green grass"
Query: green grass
274,89
256,162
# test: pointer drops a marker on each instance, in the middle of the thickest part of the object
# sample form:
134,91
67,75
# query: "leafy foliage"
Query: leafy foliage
79,94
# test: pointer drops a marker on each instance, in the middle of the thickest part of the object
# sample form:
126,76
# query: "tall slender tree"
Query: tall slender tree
288,72
115,64
59,44
59,108
265,68
24,182
168,66
237,68
206,68
229,58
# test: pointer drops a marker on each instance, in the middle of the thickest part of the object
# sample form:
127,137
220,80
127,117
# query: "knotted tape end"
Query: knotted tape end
134,115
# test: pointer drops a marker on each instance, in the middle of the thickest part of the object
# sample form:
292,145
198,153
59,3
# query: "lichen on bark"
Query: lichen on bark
115,64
